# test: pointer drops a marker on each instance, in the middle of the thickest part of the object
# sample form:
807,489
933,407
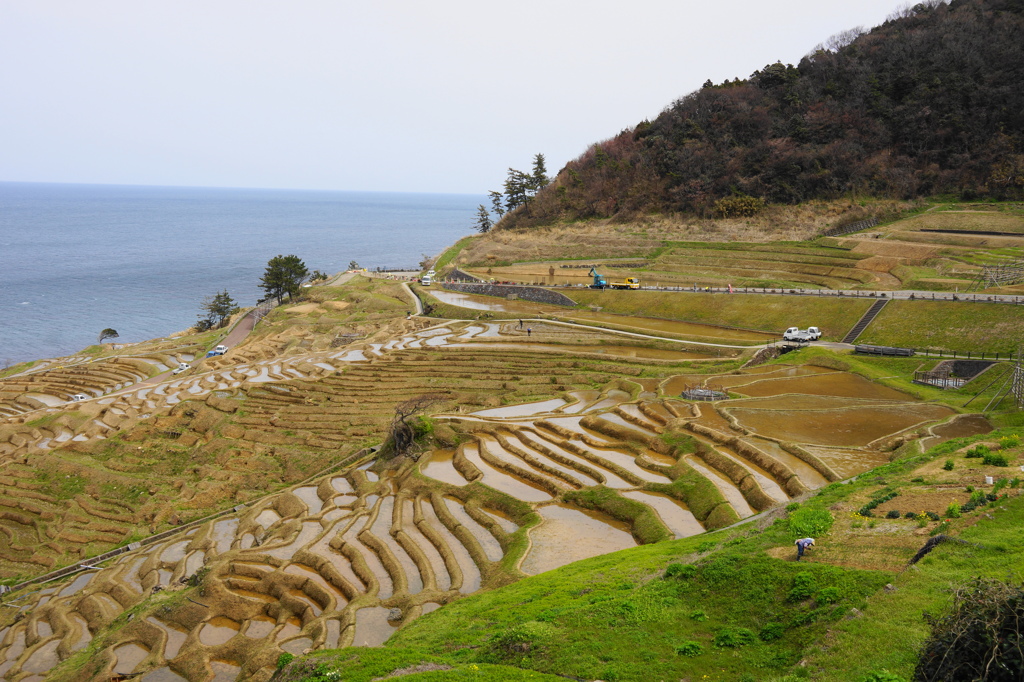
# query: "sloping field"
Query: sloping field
833,315
947,325
972,219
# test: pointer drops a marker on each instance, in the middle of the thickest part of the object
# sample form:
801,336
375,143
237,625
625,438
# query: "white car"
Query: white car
78,397
182,366
795,334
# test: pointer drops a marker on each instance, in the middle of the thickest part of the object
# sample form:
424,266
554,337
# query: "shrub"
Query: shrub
771,632
910,515
932,515
683,571
803,587
706,546
880,498
739,206
689,648
948,466
698,616
981,633
1011,441
977,451
892,514
734,637
284,659
805,522
828,595
520,639
995,459
953,510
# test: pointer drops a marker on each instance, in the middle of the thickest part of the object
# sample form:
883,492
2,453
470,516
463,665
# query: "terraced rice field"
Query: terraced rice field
547,449
69,489
348,558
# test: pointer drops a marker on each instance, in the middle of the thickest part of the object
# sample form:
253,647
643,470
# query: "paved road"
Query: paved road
903,294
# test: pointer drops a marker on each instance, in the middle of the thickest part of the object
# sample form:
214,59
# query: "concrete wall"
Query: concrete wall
532,294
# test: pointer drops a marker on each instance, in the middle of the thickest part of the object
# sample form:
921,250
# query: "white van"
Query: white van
426,280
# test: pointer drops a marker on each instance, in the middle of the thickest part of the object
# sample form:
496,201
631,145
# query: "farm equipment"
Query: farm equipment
601,283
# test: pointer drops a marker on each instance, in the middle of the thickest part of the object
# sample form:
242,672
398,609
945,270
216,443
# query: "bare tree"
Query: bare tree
402,431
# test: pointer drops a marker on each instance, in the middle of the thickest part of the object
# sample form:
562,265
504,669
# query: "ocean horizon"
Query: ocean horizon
76,259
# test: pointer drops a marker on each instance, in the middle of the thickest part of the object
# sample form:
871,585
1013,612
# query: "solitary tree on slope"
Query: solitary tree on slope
483,219
284,275
216,310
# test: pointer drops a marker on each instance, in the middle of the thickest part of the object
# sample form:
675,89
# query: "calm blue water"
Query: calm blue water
75,259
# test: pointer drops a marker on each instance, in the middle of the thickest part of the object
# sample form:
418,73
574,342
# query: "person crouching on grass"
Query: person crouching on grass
801,546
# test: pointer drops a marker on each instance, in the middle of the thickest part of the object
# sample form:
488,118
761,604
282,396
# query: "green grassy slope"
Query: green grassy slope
948,325
835,316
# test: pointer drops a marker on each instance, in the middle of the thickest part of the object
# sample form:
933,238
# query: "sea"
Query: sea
77,259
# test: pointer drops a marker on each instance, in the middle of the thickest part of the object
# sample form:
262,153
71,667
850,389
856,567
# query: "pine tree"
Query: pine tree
483,219
284,275
517,186
496,204
540,174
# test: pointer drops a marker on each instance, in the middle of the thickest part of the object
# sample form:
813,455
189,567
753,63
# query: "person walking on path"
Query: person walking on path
520,324
529,331
801,546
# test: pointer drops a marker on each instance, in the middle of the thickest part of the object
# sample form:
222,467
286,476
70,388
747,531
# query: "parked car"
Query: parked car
219,350
78,397
182,366
795,334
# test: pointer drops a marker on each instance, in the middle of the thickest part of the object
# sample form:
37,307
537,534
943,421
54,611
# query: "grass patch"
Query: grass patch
948,325
835,316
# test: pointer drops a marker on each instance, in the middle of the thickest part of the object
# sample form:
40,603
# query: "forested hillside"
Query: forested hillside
929,102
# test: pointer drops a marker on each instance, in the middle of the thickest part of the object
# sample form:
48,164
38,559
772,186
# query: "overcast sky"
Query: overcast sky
417,96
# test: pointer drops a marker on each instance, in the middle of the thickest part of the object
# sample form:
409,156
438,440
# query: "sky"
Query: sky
405,96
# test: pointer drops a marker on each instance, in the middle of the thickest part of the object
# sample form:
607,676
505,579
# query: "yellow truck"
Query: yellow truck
628,283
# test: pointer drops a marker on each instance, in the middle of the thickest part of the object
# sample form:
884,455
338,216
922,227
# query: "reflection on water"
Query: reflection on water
218,630
676,517
848,427
466,301
129,656
439,467
372,626
569,534
523,410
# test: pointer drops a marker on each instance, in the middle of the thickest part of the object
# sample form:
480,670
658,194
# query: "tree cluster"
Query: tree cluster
519,190
930,102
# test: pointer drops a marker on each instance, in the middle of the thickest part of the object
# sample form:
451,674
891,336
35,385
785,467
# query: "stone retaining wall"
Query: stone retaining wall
532,294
